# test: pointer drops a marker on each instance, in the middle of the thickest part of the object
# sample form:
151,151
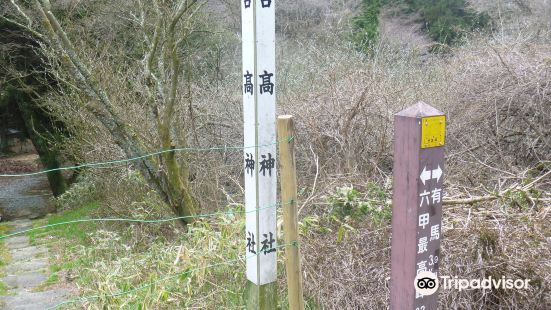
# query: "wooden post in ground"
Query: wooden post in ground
260,162
287,168
417,207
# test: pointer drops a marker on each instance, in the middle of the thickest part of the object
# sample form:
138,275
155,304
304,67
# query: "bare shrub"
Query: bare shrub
501,117
514,15
495,91
345,103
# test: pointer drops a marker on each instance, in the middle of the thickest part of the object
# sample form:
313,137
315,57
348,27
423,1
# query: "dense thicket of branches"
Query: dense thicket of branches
24,81
122,74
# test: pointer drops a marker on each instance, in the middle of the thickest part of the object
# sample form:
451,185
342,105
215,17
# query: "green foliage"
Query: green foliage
4,253
4,228
73,231
366,26
3,289
175,268
348,202
309,224
52,279
488,242
84,191
446,21
522,200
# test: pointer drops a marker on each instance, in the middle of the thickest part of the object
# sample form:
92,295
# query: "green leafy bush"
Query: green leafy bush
366,25
348,202
446,21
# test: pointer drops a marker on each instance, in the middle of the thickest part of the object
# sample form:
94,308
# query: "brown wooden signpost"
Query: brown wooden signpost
419,139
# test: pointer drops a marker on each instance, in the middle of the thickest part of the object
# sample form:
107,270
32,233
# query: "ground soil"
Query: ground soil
23,197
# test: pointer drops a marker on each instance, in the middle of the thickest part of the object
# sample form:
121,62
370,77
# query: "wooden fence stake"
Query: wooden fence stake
419,139
286,134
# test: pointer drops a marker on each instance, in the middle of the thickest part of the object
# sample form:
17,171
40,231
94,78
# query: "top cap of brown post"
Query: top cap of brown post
419,109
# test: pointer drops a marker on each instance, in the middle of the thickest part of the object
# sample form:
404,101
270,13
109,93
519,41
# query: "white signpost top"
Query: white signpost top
259,112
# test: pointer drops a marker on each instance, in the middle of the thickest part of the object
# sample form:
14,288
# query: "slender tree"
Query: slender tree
165,27
23,82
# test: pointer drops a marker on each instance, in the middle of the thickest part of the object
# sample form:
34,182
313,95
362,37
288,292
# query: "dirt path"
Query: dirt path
25,274
23,197
404,31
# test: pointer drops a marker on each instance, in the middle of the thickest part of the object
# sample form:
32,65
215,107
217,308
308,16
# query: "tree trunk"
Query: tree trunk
3,131
178,188
38,130
55,178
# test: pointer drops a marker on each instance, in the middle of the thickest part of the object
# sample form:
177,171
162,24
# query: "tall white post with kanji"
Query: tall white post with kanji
259,112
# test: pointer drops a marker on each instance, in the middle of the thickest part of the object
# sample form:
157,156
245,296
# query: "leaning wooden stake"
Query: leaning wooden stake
286,133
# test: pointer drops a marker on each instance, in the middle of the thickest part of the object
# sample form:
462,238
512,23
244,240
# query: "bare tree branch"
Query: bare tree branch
30,30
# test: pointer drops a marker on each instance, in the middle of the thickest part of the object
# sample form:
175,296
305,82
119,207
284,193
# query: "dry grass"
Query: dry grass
170,268
489,241
496,93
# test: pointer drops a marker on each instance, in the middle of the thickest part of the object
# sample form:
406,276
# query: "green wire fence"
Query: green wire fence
132,159
145,286
141,221
128,220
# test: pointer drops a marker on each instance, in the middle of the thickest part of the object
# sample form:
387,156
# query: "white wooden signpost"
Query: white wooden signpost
259,110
